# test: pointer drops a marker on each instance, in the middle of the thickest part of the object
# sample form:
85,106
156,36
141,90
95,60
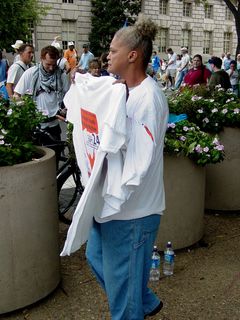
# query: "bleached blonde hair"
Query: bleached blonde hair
139,36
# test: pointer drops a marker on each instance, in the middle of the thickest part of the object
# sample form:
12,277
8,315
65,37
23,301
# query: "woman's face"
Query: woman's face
118,57
197,62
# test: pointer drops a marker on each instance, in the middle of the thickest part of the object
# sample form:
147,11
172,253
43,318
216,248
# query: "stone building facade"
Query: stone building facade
206,30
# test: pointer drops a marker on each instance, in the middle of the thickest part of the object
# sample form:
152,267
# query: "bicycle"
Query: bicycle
69,186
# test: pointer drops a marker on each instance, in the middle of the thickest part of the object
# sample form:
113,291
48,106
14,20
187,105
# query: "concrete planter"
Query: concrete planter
223,179
29,248
182,222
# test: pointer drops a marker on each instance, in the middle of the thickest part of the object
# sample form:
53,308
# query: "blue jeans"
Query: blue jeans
119,253
180,78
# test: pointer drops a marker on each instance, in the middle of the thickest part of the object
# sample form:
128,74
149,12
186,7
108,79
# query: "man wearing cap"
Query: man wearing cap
219,76
16,46
71,55
18,68
183,67
86,57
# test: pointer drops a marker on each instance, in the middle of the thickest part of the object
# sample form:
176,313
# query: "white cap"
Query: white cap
17,44
56,45
70,43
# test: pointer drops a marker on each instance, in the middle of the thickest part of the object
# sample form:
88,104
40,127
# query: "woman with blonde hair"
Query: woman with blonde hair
120,246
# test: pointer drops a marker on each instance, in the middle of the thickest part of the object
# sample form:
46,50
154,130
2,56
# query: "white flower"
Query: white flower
206,120
205,149
2,142
185,128
218,86
183,138
211,100
228,100
215,141
9,112
220,89
236,110
171,125
4,131
195,98
219,147
214,110
224,111
200,111
1,137
20,103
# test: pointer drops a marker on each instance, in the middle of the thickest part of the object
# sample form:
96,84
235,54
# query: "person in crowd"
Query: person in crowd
104,64
71,55
47,84
234,76
119,248
95,68
3,76
156,64
219,76
198,74
86,57
17,69
171,68
62,62
16,47
238,62
183,69
178,64
226,61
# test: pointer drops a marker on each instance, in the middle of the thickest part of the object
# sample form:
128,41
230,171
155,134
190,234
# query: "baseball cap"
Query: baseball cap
70,43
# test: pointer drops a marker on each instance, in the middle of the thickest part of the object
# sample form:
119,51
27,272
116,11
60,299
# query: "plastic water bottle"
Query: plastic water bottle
168,263
155,268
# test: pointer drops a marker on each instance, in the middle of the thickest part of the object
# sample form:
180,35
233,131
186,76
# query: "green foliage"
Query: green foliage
107,17
211,110
185,138
17,122
15,18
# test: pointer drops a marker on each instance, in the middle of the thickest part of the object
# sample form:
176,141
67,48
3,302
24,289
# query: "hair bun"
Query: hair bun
146,27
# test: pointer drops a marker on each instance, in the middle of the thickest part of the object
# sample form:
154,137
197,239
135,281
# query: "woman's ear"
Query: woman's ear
132,56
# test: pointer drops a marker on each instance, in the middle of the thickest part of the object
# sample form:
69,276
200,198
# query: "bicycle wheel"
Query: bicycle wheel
70,190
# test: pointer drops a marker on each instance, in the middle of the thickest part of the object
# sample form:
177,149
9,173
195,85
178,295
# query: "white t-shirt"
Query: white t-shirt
147,112
97,109
185,62
15,72
172,58
46,102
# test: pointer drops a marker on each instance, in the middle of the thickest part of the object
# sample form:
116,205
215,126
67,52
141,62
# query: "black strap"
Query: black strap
20,66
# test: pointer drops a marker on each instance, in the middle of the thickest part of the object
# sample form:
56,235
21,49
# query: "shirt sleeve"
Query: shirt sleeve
23,84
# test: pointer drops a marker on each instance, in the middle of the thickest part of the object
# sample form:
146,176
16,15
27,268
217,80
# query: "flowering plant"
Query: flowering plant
187,139
211,110
18,119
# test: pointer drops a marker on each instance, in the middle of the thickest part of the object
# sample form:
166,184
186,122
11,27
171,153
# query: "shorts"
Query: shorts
171,72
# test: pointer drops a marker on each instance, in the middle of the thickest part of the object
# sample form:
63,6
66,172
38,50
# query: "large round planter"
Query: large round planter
29,247
223,179
182,222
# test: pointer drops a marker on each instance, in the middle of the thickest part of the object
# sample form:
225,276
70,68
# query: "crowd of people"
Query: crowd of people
181,70
122,241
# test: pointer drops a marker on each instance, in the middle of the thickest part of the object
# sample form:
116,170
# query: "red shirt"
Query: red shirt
197,76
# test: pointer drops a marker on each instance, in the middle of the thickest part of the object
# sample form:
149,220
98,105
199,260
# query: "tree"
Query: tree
234,7
16,15
107,17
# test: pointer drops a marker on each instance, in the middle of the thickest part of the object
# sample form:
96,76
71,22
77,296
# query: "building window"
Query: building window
30,38
187,9
163,6
208,11
228,14
67,1
162,40
227,42
68,32
186,39
207,42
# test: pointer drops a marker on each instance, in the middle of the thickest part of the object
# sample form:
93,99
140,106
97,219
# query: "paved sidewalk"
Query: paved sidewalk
205,285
